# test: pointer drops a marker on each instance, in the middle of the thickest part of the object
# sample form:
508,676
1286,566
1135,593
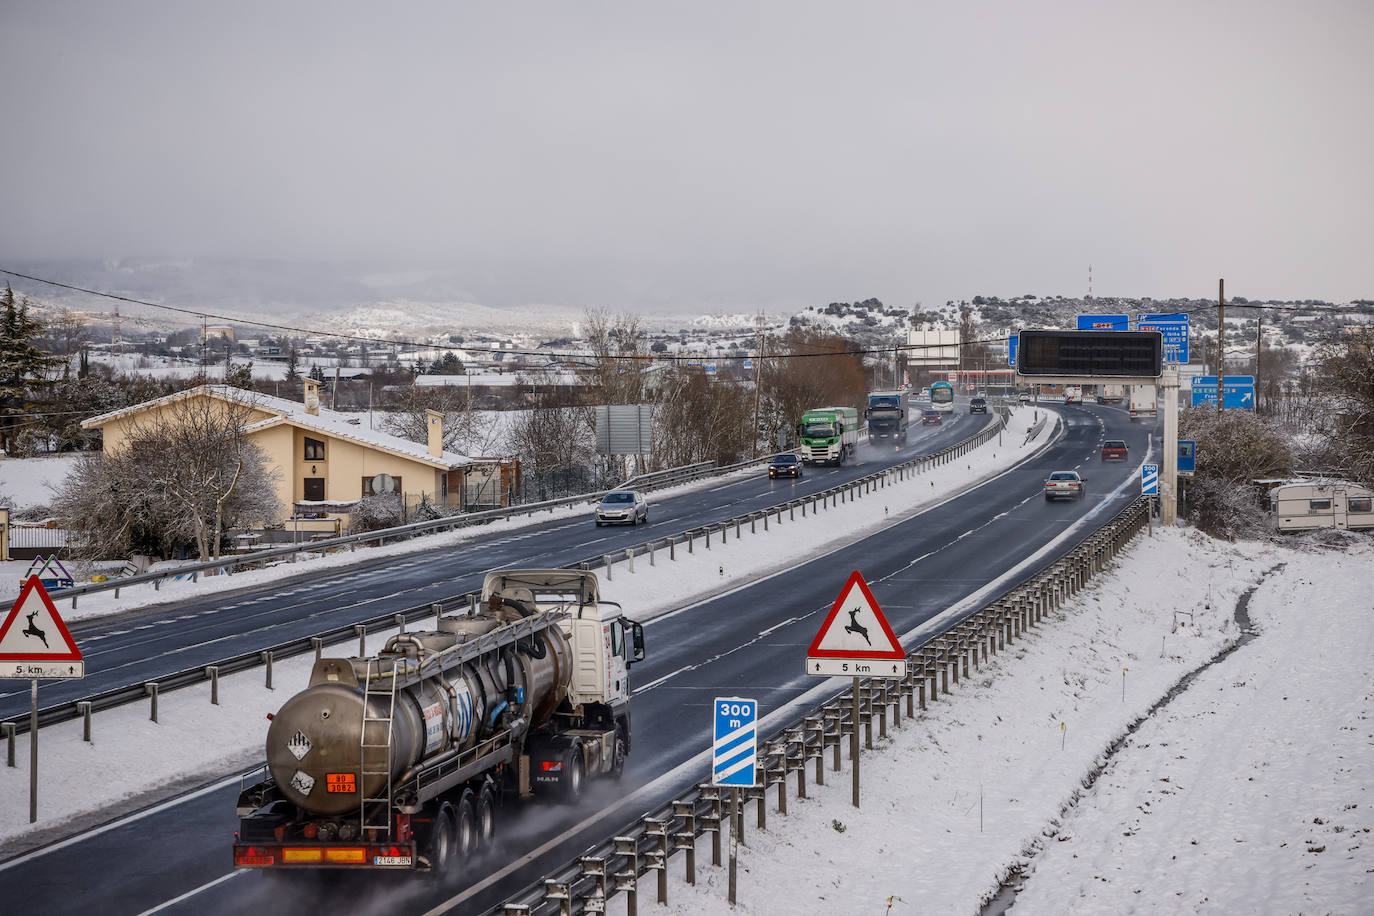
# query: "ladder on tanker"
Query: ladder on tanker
375,758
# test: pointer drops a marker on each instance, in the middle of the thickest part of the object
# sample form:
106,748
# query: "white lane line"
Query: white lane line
191,893
119,822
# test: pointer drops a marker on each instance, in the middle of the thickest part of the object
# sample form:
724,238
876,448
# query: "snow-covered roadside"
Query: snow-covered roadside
1219,803
193,737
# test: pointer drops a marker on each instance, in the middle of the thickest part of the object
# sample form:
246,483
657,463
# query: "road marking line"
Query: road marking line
191,893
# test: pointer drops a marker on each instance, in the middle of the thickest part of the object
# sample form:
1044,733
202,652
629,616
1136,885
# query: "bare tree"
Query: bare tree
466,431
182,475
795,380
555,433
1345,379
702,419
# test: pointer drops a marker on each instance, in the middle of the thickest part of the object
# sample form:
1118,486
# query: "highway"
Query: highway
750,641
141,645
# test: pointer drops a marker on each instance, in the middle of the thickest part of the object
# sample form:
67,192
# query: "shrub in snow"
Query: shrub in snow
372,513
1234,447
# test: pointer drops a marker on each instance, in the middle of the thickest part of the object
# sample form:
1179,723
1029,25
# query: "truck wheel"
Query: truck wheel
573,775
442,850
486,817
618,755
465,828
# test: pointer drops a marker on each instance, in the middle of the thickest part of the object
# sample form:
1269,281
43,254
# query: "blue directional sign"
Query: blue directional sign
1104,323
734,755
1237,391
1174,329
1149,480
1011,350
1187,455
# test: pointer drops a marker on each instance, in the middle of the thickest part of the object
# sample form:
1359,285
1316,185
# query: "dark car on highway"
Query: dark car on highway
978,405
930,417
786,464
1114,449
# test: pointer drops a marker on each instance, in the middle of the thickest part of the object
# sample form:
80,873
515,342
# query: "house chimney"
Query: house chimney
435,428
312,397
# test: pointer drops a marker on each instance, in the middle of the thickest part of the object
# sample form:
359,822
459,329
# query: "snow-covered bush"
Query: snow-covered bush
372,513
1234,448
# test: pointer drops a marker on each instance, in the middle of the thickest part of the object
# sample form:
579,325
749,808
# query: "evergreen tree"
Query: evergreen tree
293,372
317,373
24,367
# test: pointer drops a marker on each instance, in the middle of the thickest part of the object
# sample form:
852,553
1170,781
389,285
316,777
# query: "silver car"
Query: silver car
622,507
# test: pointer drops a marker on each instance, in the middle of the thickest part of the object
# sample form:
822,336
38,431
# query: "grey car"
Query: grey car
622,507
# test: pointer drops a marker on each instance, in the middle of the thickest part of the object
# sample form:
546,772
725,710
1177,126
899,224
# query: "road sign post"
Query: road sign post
42,648
863,647
734,760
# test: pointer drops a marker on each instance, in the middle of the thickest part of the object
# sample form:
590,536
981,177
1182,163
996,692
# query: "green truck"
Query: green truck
829,435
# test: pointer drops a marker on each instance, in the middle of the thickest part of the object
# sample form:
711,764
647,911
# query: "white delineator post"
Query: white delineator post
1168,498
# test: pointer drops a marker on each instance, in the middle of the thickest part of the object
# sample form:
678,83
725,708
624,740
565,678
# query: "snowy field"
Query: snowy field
193,738
1248,792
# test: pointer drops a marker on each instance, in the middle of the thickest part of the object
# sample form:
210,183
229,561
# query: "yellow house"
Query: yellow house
324,459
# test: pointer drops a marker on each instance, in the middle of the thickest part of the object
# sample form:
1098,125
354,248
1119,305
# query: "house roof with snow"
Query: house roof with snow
328,422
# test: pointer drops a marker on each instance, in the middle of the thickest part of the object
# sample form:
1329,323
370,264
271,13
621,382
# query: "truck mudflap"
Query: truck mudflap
306,855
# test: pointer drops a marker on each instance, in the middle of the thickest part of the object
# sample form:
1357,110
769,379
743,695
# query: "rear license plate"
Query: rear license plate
391,860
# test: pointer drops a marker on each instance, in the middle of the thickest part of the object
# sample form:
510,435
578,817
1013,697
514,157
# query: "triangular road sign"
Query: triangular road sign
856,627
33,631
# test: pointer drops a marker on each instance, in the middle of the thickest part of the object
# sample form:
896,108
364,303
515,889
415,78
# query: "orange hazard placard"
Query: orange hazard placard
341,782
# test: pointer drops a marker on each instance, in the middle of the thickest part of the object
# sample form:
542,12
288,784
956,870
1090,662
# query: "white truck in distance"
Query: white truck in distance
1143,401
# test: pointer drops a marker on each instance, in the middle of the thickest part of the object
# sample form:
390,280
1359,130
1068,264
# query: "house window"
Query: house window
1358,503
314,449
314,488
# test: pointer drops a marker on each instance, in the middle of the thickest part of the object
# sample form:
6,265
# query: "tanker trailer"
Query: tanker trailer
400,760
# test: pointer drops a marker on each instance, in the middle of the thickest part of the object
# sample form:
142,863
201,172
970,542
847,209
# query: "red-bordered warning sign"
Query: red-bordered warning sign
856,627
34,632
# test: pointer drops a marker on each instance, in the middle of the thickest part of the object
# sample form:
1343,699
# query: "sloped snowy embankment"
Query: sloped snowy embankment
1247,793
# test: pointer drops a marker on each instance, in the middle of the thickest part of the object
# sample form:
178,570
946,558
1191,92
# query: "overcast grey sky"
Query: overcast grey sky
706,154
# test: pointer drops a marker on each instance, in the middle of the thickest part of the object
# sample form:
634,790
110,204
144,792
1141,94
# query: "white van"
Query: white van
1305,505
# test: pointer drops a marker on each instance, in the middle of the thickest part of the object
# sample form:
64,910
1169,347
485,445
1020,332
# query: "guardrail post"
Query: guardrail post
361,630
318,643
672,548
606,563
651,553
628,880
212,672
267,660
630,556
658,859
708,537
690,539
686,838
401,622
782,785
150,689
84,709
8,729
717,822
560,891
594,867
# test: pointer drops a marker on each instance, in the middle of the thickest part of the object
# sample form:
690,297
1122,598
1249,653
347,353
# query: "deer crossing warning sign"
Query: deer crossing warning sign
856,639
34,642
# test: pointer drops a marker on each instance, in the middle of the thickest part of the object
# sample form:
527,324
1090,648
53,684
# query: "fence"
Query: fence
83,708
617,865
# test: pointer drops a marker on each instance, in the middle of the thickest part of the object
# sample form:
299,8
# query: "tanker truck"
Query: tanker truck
400,761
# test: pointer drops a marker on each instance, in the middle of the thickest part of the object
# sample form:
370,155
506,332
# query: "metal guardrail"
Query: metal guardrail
616,865
226,565
84,707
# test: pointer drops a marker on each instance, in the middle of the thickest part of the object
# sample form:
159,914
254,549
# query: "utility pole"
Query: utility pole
758,380
1221,340
1259,352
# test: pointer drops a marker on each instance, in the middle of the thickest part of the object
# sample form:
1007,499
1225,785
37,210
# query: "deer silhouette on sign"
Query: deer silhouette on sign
854,627
33,630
